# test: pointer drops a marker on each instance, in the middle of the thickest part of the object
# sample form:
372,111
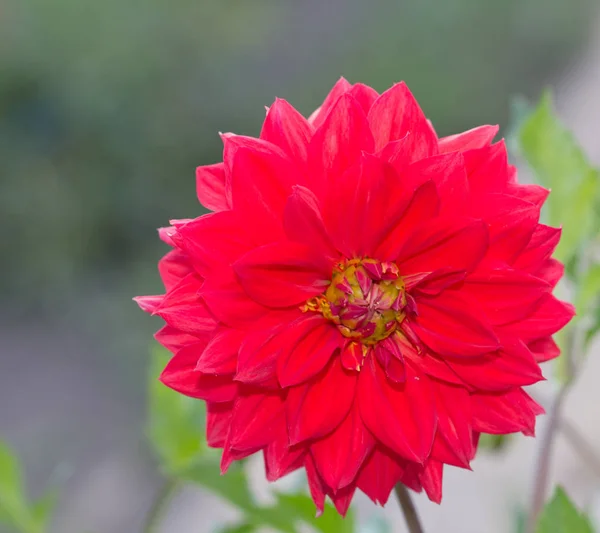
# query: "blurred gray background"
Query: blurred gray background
107,107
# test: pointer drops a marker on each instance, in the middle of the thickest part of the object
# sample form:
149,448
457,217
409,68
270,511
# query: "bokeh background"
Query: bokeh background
107,107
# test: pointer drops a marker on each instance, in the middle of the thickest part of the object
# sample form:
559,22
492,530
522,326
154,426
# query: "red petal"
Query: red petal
468,140
220,355
514,365
401,416
364,95
423,206
261,183
180,375
362,206
544,349
449,174
287,128
218,419
339,456
303,223
256,418
184,309
318,117
309,345
550,316
228,302
453,326
338,143
454,420
262,347
431,479
395,113
283,274
429,363
454,242
503,413
306,416
173,339
505,295
379,475
488,168
431,284
281,459
211,187
390,357
173,267
149,304
551,270
215,241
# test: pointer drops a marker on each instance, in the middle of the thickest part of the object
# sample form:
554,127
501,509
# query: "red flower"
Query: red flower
366,298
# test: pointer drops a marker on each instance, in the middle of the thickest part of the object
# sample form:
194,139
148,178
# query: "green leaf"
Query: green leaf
560,164
238,528
43,509
561,516
588,291
176,422
494,443
302,507
14,508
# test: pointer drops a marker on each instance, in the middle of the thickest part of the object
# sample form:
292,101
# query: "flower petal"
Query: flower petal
395,113
453,326
211,187
453,407
173,339
318,117
544,349
310,343
514,365
506,295
303,222
215,241
503,413
364,95
456,242
449,174
181,376
379,475
550,316
287,128
184,309
306,417
256,418
338,143
431,480
423,206
220,355
400,416
261,183
218,420
228,301
283,274
339,455
363,206
468,140
281,458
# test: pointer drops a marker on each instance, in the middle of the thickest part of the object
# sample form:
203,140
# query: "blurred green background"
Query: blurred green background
106,108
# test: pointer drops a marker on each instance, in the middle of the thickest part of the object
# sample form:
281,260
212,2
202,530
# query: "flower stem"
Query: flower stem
408,508
160,504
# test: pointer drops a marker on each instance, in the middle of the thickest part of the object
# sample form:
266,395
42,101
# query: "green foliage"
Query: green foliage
176,422
561,516
494,443
176,431
15,510
560,164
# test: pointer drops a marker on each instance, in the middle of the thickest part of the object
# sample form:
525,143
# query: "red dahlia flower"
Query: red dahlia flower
366,298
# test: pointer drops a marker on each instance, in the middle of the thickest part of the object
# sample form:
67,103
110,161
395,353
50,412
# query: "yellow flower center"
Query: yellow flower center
366,299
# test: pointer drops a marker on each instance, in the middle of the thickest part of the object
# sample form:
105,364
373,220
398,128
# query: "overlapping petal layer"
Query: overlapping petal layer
366,298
